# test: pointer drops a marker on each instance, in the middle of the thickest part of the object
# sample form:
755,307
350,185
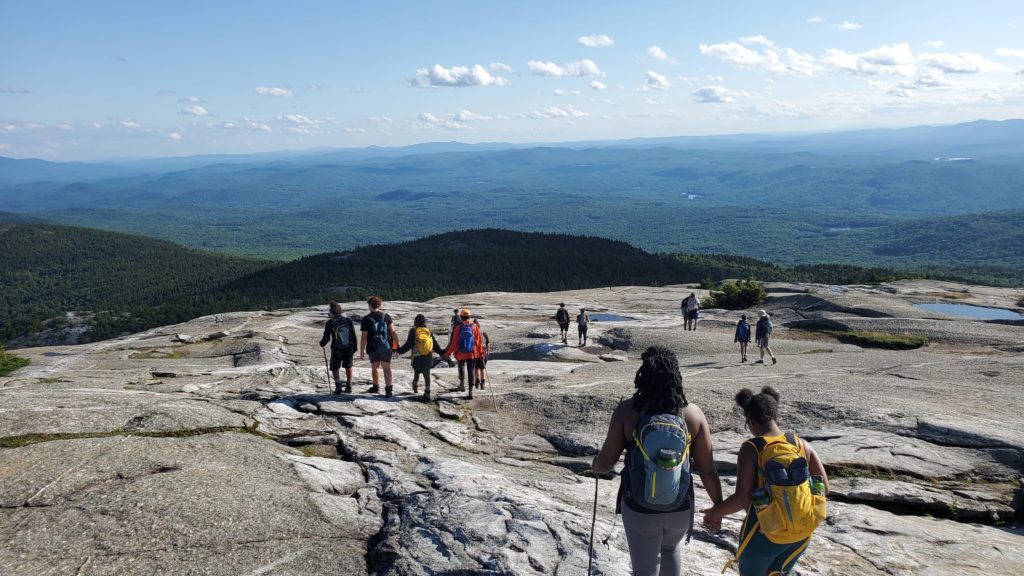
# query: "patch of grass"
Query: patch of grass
159,354
29,439
9,362
885,340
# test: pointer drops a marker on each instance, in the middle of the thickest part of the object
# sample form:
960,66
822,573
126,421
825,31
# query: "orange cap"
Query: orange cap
464,313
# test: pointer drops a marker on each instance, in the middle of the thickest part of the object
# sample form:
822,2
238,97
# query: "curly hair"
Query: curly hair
761,408
659,385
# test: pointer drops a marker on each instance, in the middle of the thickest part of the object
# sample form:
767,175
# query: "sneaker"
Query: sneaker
775,360
387,392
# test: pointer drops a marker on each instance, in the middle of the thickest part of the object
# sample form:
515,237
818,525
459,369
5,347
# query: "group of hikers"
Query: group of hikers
467,342
780,481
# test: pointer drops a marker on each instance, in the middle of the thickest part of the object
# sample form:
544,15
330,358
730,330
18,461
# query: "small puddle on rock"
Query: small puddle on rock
970,311
609,318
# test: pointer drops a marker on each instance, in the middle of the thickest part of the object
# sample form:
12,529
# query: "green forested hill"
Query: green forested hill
132,283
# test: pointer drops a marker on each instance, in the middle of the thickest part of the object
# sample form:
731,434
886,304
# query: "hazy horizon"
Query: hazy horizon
122,80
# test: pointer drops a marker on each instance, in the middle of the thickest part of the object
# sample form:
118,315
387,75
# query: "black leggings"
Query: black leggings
467,364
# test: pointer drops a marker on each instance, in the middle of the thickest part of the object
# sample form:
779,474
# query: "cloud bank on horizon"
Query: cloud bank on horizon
160,81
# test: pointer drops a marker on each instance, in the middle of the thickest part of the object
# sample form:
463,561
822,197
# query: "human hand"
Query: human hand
712,520
362,356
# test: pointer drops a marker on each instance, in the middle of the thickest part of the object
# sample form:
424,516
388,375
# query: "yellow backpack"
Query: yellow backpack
424,342
794,508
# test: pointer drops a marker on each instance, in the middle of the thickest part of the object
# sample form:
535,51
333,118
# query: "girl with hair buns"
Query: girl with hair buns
655,538
759,556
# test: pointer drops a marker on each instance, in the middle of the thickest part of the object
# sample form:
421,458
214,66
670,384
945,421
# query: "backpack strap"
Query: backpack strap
792,439
743,545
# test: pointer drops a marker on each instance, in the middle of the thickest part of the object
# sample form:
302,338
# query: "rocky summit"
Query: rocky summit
214,446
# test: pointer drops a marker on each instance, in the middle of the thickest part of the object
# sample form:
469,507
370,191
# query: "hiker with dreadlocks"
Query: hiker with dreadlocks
665,439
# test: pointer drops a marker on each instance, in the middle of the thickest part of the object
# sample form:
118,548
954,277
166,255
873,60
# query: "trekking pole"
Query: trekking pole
328,367
593,523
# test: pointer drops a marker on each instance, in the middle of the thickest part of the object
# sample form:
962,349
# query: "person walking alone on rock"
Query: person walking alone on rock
775,471
742,336
467,345
582,323
762,332
378,334
481,362
423,345
659,430
341,333
562,317
690,307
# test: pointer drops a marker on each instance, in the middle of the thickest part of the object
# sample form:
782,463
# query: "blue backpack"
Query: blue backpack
467,340
743,331
380,333
658,464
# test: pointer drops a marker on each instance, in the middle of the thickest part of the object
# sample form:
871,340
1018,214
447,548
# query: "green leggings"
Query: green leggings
762,556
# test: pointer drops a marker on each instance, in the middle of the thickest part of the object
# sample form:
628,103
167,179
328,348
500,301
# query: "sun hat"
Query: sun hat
762,313
464,313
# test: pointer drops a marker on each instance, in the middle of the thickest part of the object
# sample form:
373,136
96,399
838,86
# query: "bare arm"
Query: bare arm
703,454
746,480
614,444
815,464
362,344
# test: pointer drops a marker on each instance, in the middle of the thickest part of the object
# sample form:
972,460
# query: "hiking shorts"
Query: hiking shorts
762,342
563,327
422,365
481,362
762,556
380,355
341,358
692,314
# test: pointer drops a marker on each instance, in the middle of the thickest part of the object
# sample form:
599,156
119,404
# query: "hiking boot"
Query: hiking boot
426,394
387,392
348,388
469,396
415,388
337,389
759,362
373,390
461,388
775,360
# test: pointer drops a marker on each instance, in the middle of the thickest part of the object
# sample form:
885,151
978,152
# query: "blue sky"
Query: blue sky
104,79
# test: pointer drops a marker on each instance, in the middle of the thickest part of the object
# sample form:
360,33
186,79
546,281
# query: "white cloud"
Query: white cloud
298,119
556,112
815,20
935,44
128,124
844,25
190,99
655,81
273,91
959,63
1010,52
429,118
657,53
652,102
355,130
888,59
64,126
560,92
245,124
596,85
174,136
595,41
1020,72
580,68
456,76
467,116
714,94
718,79
500,67
761,53
195,110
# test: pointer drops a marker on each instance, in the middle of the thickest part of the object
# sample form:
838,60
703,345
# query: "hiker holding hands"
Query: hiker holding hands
658,426
778,476
378,335
341,333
